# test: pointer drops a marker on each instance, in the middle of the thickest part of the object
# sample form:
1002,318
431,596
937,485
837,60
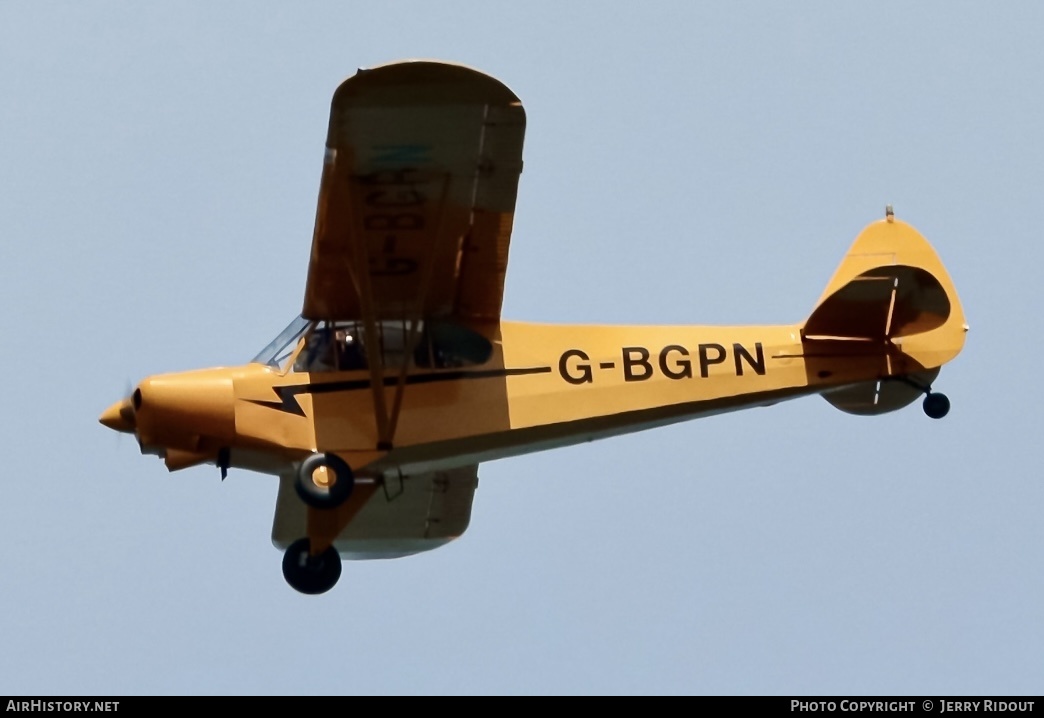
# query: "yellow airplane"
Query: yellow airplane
376,405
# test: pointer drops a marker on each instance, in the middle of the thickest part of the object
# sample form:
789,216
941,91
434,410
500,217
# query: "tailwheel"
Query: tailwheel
936,405
311,574
324,481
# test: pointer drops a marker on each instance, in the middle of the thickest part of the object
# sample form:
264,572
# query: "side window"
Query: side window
441,345
445,345
331,349
318,352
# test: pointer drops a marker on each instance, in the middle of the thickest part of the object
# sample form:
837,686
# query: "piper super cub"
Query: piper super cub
376,405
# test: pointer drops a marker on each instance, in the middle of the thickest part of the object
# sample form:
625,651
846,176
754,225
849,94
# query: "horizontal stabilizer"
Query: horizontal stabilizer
879,397
882,303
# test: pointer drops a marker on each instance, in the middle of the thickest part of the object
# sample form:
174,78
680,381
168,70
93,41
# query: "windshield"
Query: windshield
280,348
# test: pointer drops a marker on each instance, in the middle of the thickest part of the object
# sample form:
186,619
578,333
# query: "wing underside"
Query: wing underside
401,517
416,206
417,196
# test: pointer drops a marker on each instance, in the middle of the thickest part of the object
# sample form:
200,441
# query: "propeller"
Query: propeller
120,416
127,388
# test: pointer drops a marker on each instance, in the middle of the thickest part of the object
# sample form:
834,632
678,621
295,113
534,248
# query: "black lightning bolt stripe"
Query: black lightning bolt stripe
288,393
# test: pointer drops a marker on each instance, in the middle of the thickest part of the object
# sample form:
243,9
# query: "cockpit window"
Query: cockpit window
444,345
280,348
341,346
332,347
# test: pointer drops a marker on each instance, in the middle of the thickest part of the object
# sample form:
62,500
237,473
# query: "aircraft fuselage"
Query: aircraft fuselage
544,386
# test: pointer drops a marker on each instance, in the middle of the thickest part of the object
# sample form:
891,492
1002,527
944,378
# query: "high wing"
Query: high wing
417,196
401,517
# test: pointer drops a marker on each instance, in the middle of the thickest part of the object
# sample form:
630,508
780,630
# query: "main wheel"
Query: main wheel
311,574
936,405
324,481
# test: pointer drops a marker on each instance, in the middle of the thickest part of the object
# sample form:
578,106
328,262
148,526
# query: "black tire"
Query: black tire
936,405
324,497
309,574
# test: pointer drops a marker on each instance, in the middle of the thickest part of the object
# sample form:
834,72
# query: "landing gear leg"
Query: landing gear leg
311,574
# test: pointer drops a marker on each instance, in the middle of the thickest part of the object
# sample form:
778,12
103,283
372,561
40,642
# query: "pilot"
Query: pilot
318,355
351,354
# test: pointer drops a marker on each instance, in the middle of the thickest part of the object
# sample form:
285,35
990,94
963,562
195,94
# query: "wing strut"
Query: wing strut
373,354
387,421
418,309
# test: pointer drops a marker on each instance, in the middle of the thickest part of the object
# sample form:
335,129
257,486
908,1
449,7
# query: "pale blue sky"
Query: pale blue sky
683,164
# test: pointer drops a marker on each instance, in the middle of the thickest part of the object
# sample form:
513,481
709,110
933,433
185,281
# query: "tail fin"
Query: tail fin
891,310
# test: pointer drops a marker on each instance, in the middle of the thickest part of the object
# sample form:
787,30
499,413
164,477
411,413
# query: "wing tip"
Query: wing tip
470,83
